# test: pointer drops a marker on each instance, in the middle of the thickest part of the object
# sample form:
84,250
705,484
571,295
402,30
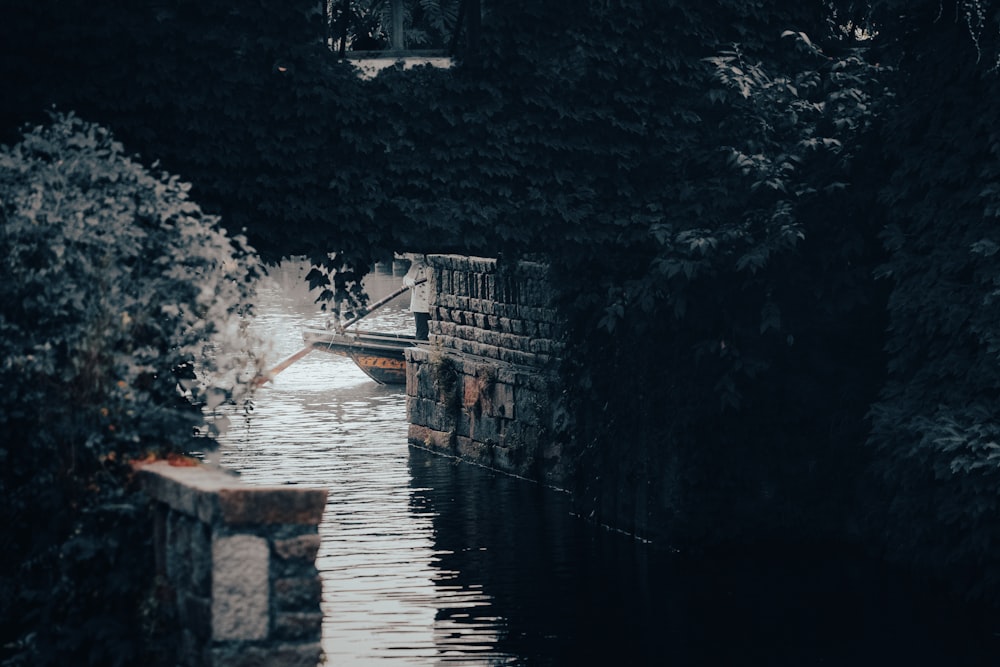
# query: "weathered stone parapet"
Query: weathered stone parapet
239,565
485,389
484,308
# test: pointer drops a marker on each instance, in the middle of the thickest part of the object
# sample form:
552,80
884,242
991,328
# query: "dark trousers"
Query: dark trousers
421,320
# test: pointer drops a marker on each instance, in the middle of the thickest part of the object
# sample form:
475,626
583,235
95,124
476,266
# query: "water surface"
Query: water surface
426,561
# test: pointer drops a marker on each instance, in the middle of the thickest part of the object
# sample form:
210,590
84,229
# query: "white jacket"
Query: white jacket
419,301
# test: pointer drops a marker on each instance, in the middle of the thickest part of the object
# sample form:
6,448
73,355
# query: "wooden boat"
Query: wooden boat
380,355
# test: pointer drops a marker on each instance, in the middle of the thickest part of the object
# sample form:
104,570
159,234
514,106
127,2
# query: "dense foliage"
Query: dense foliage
121,327
739,198
937,422
746,319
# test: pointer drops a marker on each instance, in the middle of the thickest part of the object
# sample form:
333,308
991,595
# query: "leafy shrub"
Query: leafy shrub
121,320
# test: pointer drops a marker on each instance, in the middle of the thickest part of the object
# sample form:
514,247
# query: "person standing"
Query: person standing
419,301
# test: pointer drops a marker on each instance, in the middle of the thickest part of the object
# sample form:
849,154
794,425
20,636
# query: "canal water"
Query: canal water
427,561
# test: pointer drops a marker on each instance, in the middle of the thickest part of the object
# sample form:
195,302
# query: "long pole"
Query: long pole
263,379
378,304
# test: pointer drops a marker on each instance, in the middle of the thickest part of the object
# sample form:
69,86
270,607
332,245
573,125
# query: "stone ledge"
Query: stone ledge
301,547
214,495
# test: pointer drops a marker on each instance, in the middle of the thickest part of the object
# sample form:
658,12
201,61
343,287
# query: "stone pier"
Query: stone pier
485,388
238,566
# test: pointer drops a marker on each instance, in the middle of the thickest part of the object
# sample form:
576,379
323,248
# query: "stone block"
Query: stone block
178,548
195,613
488,338
420,374
429,438
478,349
428,412
545,382
506,374
189,490
160,514
302,547
466,332
191,651
499,402
519,358
486,307
425,387
531,405
542,346
298,625
513,342
490,285
485,428
471,450
201,559
481,264
240,590
298,593
461,424
248,505
448,328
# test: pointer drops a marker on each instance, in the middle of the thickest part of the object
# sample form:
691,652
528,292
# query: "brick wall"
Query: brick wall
485,388
239,565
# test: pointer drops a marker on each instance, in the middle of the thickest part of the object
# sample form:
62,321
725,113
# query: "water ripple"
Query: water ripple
323,422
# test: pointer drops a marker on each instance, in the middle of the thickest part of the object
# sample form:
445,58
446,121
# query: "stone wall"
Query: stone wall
485,388
238,562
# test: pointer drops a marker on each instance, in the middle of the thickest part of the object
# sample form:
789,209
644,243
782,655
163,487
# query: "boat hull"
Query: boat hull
380,356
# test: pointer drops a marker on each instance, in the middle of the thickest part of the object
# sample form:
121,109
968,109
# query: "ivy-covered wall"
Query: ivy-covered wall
715,185
115,286
936,422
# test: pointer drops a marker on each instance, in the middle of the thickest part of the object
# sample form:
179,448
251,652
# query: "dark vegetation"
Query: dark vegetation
774,223
113,285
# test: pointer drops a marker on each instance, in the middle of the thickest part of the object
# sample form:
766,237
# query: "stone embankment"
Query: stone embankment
237,564
485,388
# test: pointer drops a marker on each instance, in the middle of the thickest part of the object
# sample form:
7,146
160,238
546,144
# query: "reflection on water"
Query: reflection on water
324,422
425,561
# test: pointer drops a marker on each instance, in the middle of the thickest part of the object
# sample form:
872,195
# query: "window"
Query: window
401,28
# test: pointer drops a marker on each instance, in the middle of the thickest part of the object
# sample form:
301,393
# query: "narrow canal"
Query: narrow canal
425,561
